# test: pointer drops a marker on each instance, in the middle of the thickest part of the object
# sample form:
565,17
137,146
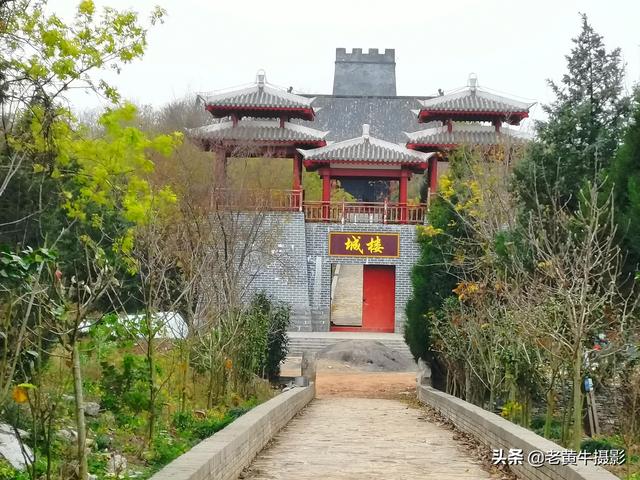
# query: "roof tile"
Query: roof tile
365,149
474,100
469,134
257,130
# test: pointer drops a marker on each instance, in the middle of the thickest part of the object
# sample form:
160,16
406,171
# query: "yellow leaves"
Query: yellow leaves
38,168
446,187
465,290
86,7
20,394
429,231
35,69
111,171
545,265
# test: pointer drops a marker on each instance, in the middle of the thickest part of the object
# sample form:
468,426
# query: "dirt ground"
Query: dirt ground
336,379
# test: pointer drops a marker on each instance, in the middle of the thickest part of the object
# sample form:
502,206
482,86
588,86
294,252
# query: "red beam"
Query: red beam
512,118
362,172
296,112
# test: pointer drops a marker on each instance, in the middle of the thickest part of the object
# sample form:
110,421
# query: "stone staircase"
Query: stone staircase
316,341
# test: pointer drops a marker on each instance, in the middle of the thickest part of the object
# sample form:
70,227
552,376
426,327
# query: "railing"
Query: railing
319,211
363,212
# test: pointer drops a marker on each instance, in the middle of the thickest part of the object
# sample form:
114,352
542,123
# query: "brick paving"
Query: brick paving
364,438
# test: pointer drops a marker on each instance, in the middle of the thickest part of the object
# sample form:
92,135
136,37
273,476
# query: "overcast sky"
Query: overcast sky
513,46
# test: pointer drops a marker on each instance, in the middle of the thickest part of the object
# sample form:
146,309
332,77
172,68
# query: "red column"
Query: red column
326,193
297,180
402,196
433,175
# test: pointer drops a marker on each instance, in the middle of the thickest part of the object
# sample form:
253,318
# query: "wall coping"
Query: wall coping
496,432
226,453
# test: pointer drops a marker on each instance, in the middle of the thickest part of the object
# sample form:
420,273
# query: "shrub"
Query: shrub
125,389
166,448
277,346
592,445
432,278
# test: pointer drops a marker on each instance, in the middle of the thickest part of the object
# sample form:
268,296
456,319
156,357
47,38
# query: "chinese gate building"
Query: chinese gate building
345,264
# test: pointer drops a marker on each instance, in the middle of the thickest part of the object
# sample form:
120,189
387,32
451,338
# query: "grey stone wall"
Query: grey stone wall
365,74
319,267
284,277
299,268
225,454
497,432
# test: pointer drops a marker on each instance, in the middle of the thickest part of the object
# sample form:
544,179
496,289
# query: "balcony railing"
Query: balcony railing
363,212
319,211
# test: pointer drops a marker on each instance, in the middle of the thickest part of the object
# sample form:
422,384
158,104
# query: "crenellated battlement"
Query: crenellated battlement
372,56
370,74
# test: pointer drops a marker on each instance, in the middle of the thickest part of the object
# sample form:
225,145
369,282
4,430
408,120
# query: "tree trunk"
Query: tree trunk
185,377
576,436
551,406
467,384
492,399
212,369
152,385
83,469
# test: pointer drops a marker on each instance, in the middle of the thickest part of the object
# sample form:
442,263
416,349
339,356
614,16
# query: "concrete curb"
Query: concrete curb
497,432
225,454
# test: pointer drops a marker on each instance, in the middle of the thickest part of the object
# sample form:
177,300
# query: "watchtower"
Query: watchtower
371,74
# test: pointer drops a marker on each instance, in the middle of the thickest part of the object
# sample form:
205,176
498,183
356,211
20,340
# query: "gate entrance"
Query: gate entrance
363,298
378,298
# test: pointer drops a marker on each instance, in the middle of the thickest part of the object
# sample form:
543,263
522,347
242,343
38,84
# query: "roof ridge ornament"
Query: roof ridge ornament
473,83
261,78
365,132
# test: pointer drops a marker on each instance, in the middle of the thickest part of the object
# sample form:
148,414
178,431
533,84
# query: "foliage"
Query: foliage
124,390
436,273
625,177
592,445
585,124
277,315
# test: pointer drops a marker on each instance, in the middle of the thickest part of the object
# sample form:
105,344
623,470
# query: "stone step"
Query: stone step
298,343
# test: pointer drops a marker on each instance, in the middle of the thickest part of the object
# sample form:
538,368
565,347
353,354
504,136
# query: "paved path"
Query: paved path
361,438
346,302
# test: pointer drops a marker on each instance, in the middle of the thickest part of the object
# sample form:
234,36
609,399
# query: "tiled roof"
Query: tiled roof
474,99
257,96
257,131
466,133
344,116
365,149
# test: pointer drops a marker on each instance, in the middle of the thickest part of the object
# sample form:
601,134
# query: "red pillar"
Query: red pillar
297,180
402,196
433,174
326,193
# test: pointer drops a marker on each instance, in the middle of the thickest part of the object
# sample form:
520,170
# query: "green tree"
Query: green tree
42,59
584,127
625,175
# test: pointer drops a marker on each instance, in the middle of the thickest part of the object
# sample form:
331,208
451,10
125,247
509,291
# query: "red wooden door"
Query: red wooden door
378,298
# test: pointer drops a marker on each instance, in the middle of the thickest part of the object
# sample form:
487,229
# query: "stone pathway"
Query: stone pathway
363,438
346,304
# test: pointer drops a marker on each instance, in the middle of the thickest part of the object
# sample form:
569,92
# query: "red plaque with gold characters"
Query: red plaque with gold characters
364,244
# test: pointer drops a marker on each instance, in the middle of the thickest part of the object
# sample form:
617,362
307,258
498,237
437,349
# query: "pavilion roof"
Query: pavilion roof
258,130
261,99
464,134
365,149
474,103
